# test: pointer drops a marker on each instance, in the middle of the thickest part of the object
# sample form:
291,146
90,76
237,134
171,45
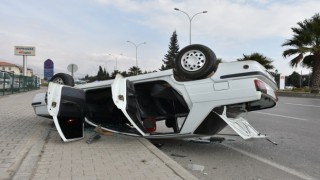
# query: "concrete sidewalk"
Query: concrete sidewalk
30,148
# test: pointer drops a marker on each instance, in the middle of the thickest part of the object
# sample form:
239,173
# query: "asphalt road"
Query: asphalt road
294,125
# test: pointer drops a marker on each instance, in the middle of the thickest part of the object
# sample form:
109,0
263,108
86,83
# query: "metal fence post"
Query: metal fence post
11,83
4,84
12,80
19,83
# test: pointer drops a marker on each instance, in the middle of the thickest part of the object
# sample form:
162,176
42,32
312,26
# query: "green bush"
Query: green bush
304,89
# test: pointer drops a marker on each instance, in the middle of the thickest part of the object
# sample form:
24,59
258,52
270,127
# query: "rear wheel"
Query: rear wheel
195,61
62,78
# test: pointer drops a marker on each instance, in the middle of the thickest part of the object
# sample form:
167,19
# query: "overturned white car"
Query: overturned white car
197,98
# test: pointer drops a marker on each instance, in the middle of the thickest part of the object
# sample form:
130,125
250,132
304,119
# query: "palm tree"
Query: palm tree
260,58
134,70
114,73
305,44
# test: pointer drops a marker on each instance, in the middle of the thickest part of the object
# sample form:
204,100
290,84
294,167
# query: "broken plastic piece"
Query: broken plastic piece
178,155
95,136
241,126
273,142
196,167
101,131
217,139
198,140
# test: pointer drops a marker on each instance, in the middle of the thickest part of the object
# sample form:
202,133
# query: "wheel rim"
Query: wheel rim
58,80
193,60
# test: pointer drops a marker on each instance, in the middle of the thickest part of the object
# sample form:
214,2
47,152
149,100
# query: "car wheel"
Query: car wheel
195,61
62,78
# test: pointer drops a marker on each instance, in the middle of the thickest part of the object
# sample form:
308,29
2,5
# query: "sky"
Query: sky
93,33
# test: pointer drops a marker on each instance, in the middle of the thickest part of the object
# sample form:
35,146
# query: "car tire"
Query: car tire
195,61
62,78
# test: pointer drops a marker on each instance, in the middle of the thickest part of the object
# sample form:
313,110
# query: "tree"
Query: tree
114,73
305,44
100,74
134,70
260,58
88,78
124,74
106,75
171,53
294,79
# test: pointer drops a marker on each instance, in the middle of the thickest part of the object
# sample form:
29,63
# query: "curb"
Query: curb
174,166
294,94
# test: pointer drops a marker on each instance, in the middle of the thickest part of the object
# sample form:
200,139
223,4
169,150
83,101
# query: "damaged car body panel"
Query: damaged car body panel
124,97
67,107
163,105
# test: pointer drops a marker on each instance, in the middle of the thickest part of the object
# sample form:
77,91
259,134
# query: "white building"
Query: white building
13,68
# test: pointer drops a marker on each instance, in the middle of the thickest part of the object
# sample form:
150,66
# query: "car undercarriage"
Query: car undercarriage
156,101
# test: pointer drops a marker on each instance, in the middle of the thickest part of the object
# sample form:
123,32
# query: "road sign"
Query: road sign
24,51
72,68
48,69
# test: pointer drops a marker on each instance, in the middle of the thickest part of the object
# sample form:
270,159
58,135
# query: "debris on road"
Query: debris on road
95,136
273,142
101,131
208,140
98,131
217,139
178,155
195,167
158,145
200,140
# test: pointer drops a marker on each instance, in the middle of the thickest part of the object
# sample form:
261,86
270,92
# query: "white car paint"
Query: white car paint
231,84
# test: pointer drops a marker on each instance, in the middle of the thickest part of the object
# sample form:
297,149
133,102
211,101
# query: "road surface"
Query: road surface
294,125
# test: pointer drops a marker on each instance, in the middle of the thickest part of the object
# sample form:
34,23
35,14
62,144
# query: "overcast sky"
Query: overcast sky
85,32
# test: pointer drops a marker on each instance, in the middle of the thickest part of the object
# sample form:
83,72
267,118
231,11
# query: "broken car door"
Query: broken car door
124,97
67,107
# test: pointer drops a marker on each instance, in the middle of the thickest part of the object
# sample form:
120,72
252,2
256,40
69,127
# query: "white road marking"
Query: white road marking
301,119
273,164
301,105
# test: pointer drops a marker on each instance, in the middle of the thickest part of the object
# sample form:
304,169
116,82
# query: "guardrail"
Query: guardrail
11,83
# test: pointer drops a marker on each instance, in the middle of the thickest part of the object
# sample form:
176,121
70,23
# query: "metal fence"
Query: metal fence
12,83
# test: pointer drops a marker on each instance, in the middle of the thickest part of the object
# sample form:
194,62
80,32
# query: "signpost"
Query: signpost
48,69
282,81
24,51
72,68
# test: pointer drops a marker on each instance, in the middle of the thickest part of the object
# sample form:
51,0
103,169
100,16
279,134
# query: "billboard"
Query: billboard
24,51
48,69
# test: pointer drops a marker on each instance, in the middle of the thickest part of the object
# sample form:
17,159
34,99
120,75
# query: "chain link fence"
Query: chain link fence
11,83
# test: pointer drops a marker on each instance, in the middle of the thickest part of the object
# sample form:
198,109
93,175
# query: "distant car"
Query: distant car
5,81
5,85
79,82
289,87
197,98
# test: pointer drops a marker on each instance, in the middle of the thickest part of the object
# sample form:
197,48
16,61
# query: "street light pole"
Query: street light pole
116,57
136,45
190,20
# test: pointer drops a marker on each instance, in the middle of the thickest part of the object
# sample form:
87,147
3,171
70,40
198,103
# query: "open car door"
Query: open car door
67,107
124,97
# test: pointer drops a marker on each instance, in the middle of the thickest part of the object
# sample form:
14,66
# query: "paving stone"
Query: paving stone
111,157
